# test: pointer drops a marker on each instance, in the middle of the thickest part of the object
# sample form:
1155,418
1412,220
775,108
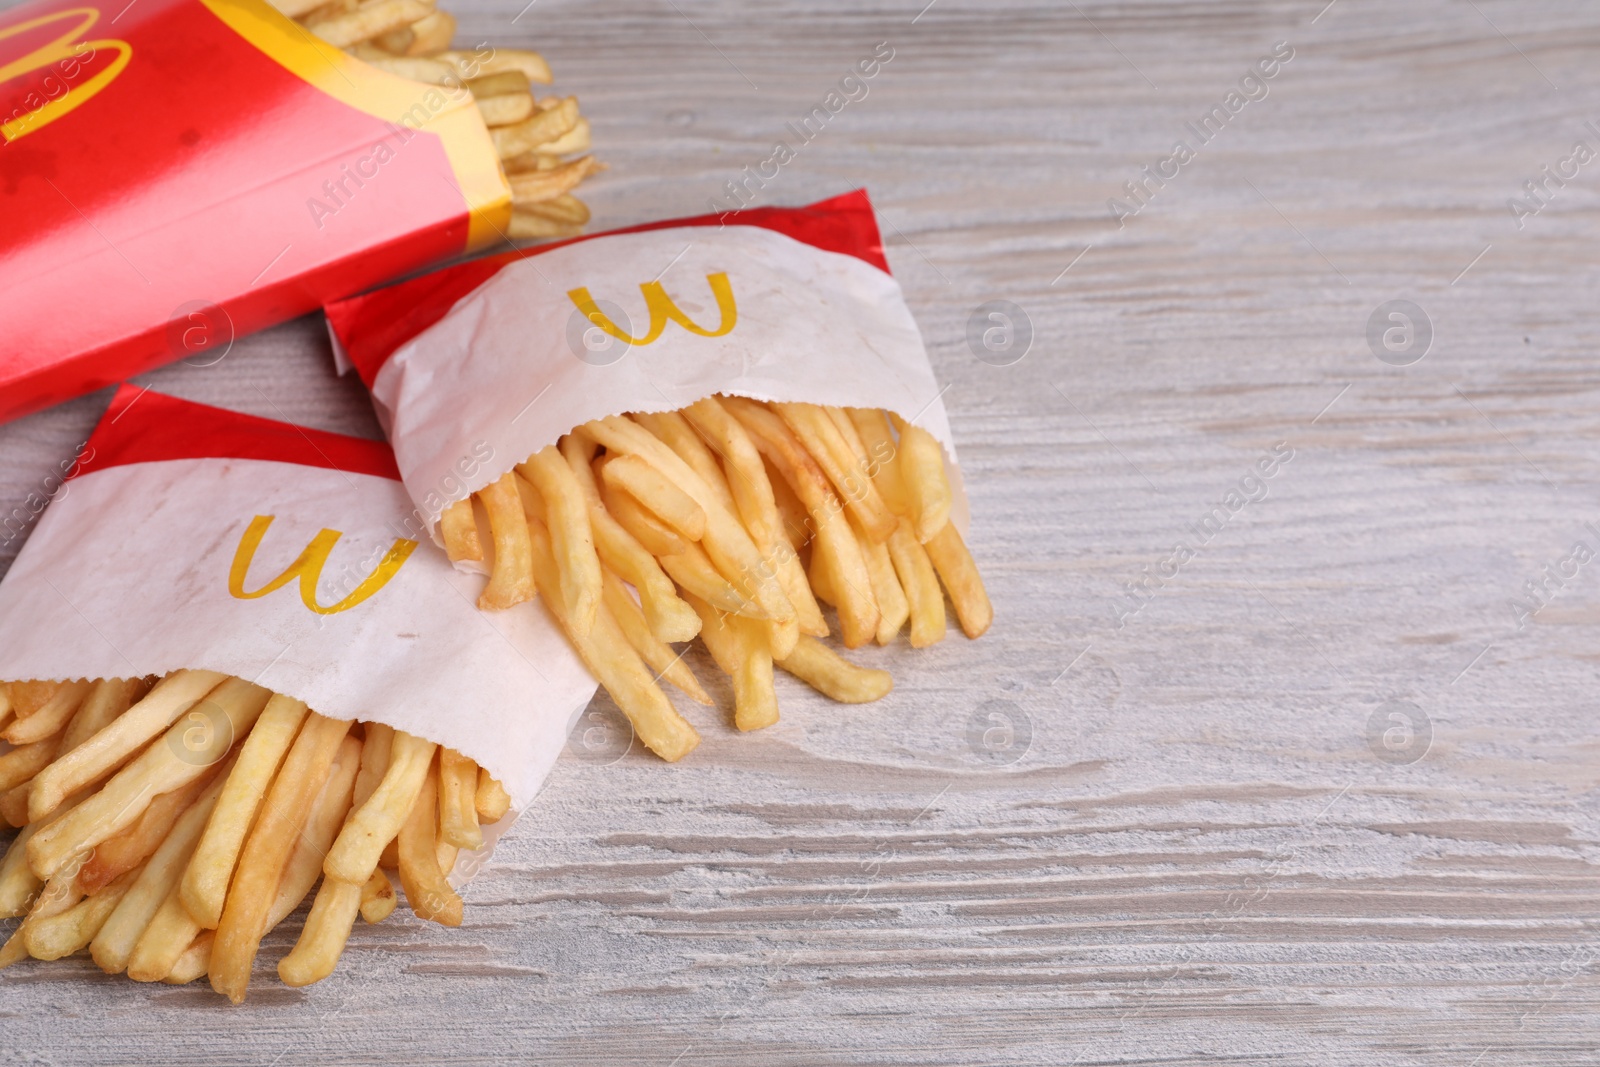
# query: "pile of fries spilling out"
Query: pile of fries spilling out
411,38
168,827
731,519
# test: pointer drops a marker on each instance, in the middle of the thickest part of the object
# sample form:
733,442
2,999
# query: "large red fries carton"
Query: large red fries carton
174,173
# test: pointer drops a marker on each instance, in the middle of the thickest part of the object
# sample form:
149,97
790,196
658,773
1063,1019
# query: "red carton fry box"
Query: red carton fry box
174,173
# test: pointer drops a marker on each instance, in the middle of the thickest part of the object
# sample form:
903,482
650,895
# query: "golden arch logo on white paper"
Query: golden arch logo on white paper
662,310
307,567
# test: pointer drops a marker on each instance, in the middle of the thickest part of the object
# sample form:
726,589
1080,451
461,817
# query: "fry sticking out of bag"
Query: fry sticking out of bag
567,516
684,506
511,581
284,813
429,895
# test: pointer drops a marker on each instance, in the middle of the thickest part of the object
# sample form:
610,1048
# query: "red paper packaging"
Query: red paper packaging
174,173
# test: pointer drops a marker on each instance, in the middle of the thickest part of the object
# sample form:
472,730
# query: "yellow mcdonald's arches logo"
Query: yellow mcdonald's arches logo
662,311
68,54
308,567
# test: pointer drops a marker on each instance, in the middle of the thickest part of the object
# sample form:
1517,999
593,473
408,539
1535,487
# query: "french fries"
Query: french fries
567,515
119,740
632,475
739,647
421,873
621,553
835,677
168,871
359,847
491,799
167,825
617,666
922,471
284,813
533,137
205,883
167,764
377,897
460,532
731,519
959,573
369,21
511,580
655,652
50,718
458,800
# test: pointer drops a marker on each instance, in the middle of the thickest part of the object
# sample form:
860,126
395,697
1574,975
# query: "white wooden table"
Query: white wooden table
1319,800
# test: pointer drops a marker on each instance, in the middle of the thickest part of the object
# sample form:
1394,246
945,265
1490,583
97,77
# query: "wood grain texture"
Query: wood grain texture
1198,855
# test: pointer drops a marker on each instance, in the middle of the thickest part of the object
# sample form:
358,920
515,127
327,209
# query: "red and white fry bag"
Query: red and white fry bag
195,537
174,173
509,352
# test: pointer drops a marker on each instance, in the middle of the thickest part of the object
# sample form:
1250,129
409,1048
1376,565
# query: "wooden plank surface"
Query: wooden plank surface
1323,798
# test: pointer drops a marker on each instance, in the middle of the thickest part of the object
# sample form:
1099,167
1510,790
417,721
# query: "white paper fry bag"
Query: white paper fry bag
192,537
501,356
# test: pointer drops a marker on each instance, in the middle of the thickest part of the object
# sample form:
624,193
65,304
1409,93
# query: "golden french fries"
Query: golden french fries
726,541
530,64
460,532
116,743
614,662
371,827
50,718
125,852
431,34
506,110
23,764
458,800
205,883
284,813
369,21
170,933
566,514
731,519
322,941
960,576
167,825
503,83
641,524
541,128
694,572
165,765
71,931
920,585
821,438
427,891
194,962
893,607
411,39
492,799
922,471
377,897
655,652
167,872
632,475
669,617
120,933
511,580
834,676
739,647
